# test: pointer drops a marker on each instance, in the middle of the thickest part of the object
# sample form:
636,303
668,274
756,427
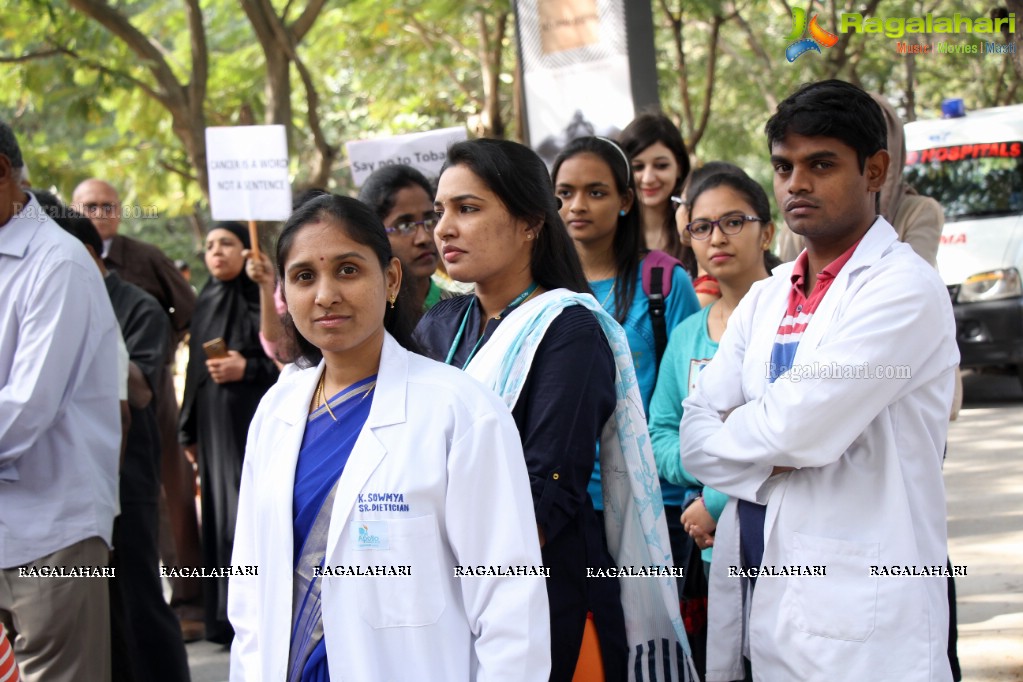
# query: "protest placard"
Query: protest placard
248,174
423,151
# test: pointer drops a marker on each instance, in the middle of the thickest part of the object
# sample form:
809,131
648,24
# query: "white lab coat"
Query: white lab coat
450,447
868,490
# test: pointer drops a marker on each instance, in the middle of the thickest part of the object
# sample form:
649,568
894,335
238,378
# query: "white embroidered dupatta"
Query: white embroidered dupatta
637,534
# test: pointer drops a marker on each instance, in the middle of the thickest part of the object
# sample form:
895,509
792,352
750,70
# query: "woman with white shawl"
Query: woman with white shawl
535,335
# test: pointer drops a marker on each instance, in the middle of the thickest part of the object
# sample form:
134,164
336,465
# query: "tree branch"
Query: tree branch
30,56
838,58
328,153
287,8
259,16
708,95
672,17
433,37
680,57
151,57
305,20
177,170
761,54
278,66
287,42
102,68
200,54
417,29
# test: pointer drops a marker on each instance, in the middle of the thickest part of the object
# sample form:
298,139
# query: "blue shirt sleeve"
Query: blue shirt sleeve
714,501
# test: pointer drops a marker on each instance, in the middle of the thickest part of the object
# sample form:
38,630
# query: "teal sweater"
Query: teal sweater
690,348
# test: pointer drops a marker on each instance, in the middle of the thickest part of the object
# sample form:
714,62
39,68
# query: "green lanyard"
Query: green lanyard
465,320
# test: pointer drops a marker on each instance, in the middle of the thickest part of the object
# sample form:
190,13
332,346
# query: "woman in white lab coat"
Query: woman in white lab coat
374,477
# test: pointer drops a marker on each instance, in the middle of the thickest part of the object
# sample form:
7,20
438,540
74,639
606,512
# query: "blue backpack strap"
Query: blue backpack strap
657,271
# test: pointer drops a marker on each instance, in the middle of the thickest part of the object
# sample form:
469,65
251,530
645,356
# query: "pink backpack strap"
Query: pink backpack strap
659,259
657,270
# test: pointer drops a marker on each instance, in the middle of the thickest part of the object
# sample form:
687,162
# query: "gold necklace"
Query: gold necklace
721,313
603,304
321,397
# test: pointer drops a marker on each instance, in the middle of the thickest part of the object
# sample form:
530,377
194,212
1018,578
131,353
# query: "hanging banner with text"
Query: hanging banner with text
576,73
423,151
248,172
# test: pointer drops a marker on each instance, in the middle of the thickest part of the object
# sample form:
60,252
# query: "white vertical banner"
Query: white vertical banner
575,70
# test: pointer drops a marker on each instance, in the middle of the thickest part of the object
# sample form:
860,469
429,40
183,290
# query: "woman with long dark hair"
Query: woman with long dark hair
593,181
534,334
367,474
660,163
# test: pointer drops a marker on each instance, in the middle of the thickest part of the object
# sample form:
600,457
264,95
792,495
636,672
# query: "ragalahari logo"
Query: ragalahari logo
818,36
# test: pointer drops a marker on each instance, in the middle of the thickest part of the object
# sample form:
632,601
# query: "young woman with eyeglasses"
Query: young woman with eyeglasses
729,222
402,198
534,334
730,230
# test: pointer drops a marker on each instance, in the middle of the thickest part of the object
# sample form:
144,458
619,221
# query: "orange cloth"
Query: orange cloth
590,667
706,284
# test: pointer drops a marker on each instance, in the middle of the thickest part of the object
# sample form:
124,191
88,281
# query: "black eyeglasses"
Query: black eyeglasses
106,209
730,224
405,229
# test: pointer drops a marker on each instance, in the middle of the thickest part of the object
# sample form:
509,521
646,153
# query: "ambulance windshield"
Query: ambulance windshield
970,180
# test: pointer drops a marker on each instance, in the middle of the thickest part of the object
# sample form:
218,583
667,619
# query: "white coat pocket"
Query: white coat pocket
411,600
841,604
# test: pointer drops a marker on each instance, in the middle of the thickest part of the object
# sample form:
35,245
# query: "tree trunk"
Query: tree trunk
278,90
518,111
490,52
1016,7
910,98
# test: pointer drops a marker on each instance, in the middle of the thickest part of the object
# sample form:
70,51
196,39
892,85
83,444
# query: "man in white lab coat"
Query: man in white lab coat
823,415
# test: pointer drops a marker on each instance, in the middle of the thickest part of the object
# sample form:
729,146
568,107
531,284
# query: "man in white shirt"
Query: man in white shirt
823,415
60,434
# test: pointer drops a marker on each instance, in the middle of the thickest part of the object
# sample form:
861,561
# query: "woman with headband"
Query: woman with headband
593,180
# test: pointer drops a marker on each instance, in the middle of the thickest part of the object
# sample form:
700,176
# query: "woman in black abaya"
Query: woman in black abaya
221,395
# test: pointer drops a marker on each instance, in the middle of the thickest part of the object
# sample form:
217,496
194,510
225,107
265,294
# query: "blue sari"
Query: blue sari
326,446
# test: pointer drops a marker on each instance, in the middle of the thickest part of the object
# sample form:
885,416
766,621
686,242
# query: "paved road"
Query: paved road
208,662
984,483
984,479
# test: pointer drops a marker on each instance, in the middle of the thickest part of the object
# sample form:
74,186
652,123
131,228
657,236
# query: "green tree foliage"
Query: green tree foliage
736,51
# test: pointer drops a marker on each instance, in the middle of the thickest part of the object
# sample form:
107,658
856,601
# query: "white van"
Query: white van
973,166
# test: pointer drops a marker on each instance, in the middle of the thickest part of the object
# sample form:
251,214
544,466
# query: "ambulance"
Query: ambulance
972,164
